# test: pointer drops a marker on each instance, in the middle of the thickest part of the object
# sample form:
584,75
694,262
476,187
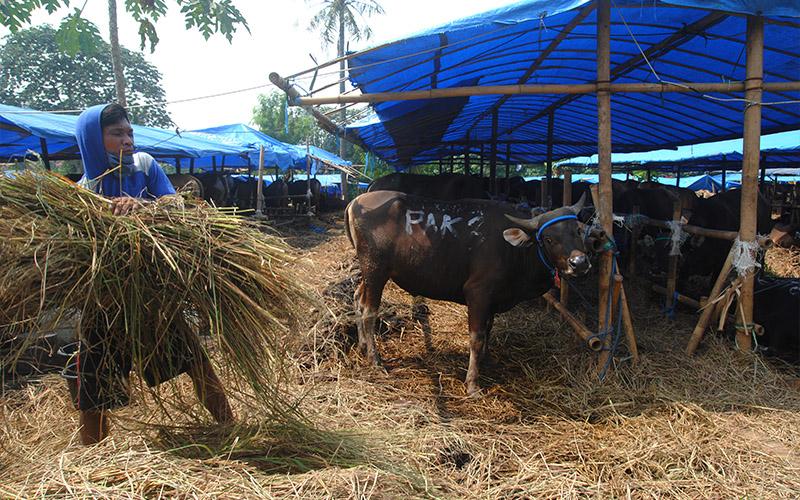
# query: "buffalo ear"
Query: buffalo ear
517,237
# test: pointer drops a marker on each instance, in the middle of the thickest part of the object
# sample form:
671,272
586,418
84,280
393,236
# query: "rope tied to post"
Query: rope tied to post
745,256
677,235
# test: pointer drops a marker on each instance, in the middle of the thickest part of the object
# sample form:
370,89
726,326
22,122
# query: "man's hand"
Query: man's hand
123,205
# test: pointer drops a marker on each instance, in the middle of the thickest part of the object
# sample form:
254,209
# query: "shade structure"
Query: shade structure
21,131
771,159
242,136
554,42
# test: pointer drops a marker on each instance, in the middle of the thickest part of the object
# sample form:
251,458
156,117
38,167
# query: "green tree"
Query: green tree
334,21
269,116
76,34
36,72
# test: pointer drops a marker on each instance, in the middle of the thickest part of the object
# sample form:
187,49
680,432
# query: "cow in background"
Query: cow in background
439,187
185,183
298,191
702,256
216,188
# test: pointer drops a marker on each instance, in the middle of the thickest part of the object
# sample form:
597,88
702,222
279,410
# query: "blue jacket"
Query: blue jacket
146,180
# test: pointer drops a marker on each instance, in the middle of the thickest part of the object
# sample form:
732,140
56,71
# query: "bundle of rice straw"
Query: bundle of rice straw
147,277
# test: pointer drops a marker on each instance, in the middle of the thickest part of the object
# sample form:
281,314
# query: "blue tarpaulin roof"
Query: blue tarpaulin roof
771,159
276,153
520,43
21,130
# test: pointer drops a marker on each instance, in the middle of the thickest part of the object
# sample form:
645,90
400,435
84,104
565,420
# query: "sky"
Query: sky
279,40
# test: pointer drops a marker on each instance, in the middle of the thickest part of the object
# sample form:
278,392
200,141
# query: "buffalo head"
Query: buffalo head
559,237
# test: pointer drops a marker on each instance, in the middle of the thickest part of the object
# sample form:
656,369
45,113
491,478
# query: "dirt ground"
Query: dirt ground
718,425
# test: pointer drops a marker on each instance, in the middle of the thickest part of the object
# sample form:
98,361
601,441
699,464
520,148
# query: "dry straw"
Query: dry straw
162,275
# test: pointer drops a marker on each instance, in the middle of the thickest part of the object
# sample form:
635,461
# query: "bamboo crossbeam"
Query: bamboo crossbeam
535,89
683,299
763,241
594,343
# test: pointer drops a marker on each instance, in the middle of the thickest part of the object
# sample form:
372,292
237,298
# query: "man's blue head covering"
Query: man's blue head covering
90,141
146,181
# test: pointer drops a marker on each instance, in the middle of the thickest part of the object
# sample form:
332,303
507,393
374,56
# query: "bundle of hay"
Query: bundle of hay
164,270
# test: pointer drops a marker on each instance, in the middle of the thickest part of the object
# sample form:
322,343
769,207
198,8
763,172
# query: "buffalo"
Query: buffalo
483,254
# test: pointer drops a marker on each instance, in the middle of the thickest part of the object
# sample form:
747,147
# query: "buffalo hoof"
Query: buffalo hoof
474,391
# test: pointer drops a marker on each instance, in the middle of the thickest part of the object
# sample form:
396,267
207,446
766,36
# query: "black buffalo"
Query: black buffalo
439,187
705,256
299,190
471,252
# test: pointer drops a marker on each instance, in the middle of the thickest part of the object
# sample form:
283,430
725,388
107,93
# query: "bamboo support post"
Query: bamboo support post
634,246
705,317
308,179
750,151
627,323
567,202
672,270
260,183
603,196
593,342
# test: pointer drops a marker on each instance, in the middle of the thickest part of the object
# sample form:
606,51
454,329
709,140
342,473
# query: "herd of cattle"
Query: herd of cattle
442,237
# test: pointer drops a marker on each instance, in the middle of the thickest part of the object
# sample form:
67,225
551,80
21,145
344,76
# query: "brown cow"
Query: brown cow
472,252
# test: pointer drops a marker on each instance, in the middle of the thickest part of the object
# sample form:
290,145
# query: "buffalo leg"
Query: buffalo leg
485,356
368,298
479,318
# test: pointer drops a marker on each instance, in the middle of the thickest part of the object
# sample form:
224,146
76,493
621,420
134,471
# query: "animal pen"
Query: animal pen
481,86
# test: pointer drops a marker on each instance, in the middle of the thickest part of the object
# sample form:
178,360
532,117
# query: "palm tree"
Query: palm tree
338,17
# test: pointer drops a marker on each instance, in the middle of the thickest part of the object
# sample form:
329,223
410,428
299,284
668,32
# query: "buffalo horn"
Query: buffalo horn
576,208
530,224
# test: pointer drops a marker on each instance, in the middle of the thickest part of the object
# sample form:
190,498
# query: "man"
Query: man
105,139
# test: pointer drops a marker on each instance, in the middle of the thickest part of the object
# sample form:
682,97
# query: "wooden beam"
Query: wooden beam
575,89
567,200
603,198
493,158
546,195
751,150
45,153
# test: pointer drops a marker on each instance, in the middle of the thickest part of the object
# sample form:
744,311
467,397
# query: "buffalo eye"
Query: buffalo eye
548,240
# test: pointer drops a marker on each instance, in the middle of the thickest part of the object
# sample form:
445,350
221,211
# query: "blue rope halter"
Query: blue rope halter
540,244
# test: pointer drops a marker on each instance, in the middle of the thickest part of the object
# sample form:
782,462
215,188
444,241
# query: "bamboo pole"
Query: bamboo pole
535,89
308,178
751,152
672,269
705,317
493,157
719,234
546,187
683,299
602,198
594,343
627,323
260,183
45,152
567,202
634,246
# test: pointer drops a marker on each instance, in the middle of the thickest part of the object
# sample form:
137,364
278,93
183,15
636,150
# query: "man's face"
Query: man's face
118,137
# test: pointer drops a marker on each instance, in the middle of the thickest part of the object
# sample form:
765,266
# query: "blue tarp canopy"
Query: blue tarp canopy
319,157
554,42
276,153
21,131
773,160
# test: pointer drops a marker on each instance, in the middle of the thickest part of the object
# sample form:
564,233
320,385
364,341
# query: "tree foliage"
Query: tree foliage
326,20
208,17
36,72
270,114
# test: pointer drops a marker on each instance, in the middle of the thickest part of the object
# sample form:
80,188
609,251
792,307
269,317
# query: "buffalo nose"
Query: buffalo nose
579,263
